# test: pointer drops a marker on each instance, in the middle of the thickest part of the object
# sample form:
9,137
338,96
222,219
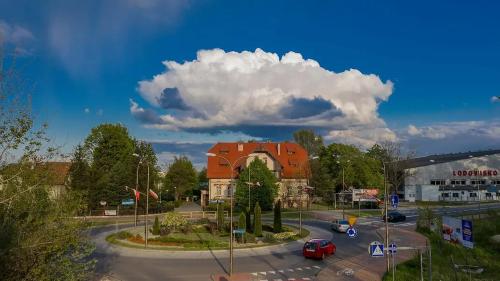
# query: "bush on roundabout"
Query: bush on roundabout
173,221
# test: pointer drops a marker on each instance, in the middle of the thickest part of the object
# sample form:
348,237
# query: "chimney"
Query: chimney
279,149
240,147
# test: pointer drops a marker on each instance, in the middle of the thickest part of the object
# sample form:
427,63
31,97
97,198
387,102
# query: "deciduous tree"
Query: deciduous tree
264,193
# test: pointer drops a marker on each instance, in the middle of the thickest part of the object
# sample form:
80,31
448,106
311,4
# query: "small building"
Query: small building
468,176
288,161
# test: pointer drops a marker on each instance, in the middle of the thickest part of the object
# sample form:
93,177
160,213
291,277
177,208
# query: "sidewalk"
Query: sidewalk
366,268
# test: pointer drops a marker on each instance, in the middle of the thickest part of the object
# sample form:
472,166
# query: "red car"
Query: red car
318,248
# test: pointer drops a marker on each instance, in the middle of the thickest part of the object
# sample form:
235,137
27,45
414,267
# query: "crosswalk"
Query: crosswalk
381,223
303,273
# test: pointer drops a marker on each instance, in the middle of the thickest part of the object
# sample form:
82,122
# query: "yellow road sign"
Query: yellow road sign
352,220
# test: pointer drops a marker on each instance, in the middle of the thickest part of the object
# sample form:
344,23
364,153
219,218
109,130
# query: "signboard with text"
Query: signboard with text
458,231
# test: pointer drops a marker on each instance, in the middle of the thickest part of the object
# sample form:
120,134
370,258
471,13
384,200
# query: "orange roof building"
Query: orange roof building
288,161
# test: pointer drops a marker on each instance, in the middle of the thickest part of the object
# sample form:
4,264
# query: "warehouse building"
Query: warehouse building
469,176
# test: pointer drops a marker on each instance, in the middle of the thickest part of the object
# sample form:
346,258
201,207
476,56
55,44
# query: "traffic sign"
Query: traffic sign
351,232
376,249
129,201
392,248
352,220
394,200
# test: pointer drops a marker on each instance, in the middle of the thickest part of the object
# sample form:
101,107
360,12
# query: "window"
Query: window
446,195
476,182
455,195
438,182
472,194
458,182
497,182
219,190
488,195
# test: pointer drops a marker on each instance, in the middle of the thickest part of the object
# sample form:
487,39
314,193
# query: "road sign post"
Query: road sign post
376,249
351,232
394,200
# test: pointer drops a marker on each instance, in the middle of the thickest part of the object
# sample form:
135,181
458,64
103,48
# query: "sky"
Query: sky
186,74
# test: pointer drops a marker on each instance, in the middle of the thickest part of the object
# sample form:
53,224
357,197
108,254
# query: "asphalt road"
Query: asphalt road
138,264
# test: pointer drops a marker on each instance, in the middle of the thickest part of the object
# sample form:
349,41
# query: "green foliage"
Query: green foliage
248,217
360,170
173,221
104,164
311,142
264,194
277,217
242,222
257,225
39,240
156,227
167,206
220,216
123,235
181,175
321,181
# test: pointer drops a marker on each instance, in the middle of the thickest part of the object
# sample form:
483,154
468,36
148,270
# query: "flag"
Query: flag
153,194
137,194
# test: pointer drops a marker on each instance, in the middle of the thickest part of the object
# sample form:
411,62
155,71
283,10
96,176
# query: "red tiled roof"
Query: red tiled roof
58,172
291,156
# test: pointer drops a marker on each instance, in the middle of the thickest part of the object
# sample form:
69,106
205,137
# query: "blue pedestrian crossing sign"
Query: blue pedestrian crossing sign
376,249
351,232
394,200
392,248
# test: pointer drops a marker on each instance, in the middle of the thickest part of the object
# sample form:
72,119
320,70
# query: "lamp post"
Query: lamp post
136,188
249,183
386,219
231,166
141,160
343,185
301,189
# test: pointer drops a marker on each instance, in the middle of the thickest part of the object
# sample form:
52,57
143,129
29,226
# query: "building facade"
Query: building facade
470,176
288,162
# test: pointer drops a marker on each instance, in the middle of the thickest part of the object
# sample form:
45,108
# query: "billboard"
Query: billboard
458,231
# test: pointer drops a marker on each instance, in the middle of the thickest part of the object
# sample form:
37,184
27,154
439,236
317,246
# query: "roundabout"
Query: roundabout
280,261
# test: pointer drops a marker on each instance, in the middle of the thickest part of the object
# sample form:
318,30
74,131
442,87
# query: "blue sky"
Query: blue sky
435,70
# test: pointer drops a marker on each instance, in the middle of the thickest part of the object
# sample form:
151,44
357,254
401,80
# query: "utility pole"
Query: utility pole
147,210
430,261
386,218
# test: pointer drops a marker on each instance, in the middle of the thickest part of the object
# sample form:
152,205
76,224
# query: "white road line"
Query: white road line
318,267
272,272
281,271
263,273
306,278
277,280
255,273
308,267
299,269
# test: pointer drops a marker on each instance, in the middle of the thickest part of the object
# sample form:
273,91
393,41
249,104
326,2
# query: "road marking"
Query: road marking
299,269
277,280
306,278
291,270
263,272
308,267
272,272
318,267
281,271
255,273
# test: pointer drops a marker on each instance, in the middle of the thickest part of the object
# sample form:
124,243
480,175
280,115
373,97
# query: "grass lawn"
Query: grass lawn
485,254
291,215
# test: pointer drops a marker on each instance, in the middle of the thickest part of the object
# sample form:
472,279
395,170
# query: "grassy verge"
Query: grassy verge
292,215
365,213
444,254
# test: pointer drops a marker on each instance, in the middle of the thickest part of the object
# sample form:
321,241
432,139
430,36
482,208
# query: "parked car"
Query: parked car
340,225
318,248
394,217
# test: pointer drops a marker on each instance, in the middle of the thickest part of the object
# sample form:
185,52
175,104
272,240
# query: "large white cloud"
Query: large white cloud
232,89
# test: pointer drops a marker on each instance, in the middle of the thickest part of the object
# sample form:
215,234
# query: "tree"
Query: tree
321,180
311,142
37,240
156,227
277,227
394,158
257,225
220,216
348,166
242,222
264,193
248,219
181,177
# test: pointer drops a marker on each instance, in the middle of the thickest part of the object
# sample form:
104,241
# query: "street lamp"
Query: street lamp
231,165
301,189
343,184
147,198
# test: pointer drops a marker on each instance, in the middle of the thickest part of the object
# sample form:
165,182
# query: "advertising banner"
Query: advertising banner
458,231
110,212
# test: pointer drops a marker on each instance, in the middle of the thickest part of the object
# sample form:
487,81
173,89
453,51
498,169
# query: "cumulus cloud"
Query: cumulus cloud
495,99
86,110
248,91
453,136
362,137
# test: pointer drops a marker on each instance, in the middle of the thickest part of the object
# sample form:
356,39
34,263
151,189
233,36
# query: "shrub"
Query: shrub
242,221
213,206
248,220
156,227
167,206
250,238
269,238
123,235
220,217
211,227
177,203
257,221
173,221
203,221
186,229
277,217
164,231
284,236
267,228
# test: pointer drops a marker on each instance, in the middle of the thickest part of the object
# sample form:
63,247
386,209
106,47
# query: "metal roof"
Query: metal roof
444,158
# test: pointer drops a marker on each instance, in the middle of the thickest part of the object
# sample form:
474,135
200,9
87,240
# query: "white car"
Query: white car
340,225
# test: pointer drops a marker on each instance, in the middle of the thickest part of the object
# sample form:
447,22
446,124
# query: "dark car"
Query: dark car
394,217
318,248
